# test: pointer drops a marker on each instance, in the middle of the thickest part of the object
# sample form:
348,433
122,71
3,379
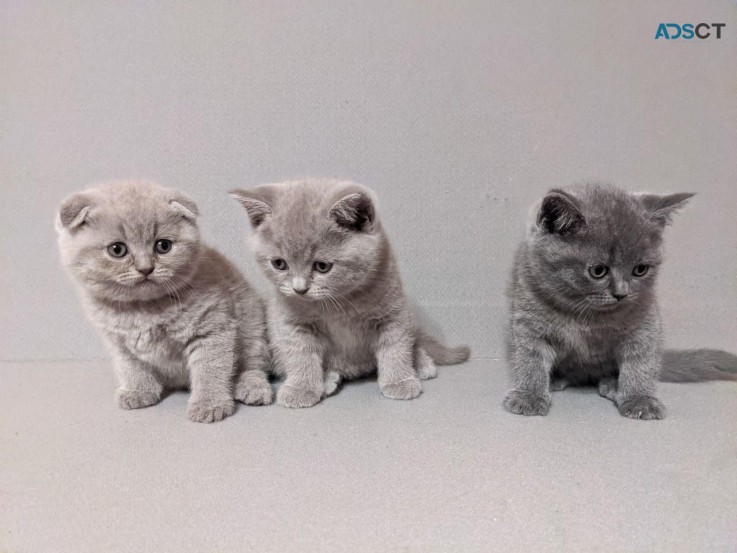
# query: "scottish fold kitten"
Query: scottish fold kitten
340,312
583,306
173,312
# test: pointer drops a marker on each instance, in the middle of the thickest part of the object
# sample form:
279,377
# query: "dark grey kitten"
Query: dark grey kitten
583,306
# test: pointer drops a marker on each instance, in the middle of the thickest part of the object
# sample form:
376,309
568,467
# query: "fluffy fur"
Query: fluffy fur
572,325
174,314
340,312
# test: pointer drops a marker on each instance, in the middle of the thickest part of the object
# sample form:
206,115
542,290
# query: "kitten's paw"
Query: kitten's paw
642,407
254,391
289,396
332,381
207,410
136,399
406,389
427,371
608,388
559,384
522,402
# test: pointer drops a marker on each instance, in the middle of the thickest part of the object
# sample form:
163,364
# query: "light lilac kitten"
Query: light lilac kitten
340,311
173,312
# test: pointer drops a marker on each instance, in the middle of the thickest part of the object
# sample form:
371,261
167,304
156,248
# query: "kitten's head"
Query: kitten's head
596,247
129,241
314,239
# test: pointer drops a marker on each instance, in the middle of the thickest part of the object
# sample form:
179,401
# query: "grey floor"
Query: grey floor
450,471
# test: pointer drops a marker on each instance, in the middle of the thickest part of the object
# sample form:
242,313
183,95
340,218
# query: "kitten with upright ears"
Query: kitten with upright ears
173,312
583,305
339,312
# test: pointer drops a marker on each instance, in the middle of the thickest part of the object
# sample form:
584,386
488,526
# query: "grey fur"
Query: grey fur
349,321
568,328
194,322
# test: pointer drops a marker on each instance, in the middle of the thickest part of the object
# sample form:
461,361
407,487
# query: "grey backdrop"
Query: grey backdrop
458,114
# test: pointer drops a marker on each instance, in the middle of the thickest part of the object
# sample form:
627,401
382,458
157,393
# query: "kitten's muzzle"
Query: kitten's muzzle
300,285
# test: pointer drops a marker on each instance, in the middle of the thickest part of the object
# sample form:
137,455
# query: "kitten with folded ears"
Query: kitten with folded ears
339,311
583,309
173,312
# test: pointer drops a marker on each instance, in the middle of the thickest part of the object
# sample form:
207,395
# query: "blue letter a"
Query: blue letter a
662,32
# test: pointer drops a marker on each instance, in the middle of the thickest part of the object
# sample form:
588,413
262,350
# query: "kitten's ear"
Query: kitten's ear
255,203
354,211
73,211
559,213
185,207
662,208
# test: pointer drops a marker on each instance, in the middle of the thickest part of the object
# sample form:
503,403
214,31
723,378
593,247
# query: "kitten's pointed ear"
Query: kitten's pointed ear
73,211
559,213
662,208
185,207
354,211
255,203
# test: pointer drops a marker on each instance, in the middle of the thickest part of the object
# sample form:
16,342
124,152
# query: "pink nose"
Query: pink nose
145,271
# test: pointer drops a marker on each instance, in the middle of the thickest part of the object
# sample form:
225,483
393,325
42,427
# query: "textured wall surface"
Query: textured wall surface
458,114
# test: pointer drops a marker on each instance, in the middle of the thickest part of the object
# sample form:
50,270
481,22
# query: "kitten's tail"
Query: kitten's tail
443,355
695,365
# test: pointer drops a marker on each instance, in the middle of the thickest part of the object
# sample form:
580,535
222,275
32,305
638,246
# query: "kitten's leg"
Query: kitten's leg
299,352
397,376
138,385
211,361
532,361
426,368
634,393
252,386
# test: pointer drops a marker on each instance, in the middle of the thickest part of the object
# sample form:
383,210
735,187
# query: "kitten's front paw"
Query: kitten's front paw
406,389
254,392
522,402
289,396
207,410
135,399
642,407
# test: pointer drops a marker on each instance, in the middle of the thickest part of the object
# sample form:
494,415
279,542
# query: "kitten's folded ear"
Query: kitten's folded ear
73,211
354,210
185,206
662,208
559,213
255,202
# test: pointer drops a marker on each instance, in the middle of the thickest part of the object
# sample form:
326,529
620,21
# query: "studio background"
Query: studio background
459,115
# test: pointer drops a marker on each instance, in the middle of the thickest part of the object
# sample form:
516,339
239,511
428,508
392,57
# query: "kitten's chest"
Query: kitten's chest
349,337
158,339
590,344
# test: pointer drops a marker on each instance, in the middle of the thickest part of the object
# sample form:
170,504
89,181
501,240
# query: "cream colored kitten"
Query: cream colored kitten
173,312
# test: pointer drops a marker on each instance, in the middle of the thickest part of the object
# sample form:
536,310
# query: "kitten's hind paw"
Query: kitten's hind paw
254,389
521,402
296,398
559,384
642,407
332,381
209,411
406,389
136,399
608,388
426,368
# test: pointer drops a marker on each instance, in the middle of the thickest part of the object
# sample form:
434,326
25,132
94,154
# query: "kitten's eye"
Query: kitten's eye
640,270
117,250
279,264
322,266
162,246
598,271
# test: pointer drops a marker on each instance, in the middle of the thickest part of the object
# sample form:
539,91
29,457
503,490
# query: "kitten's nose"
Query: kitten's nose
299,285
145,271
619,297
